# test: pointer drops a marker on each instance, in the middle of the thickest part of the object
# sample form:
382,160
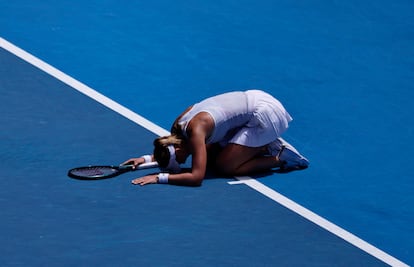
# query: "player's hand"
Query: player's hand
149,179
134,162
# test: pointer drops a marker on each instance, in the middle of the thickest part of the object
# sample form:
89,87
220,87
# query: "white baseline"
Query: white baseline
253,183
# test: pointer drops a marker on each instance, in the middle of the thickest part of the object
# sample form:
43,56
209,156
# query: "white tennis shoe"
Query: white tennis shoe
291,159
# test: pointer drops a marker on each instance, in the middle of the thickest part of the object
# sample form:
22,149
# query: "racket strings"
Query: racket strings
94,171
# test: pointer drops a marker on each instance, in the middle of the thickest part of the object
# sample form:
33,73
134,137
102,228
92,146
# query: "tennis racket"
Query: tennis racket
106,171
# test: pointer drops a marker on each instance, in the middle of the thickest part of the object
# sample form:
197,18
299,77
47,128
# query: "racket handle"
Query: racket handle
148,165
142,166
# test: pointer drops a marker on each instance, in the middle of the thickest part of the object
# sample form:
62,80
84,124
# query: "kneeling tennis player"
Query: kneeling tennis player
236,133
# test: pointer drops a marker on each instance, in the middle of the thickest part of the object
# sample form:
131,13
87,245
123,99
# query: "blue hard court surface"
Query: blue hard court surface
343,70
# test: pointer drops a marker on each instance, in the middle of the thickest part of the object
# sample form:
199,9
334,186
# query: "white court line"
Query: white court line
318,220
256,185
82,88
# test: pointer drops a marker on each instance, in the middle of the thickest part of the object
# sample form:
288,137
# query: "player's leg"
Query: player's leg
236,159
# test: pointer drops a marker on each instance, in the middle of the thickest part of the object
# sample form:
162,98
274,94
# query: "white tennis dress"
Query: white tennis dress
252,118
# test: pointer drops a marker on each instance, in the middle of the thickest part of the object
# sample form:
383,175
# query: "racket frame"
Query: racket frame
118,170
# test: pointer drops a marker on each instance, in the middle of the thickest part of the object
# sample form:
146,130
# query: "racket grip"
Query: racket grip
148,165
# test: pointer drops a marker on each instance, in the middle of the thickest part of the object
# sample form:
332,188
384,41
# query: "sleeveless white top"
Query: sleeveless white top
251,118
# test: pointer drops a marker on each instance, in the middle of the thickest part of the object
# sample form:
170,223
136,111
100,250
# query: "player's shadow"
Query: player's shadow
212,174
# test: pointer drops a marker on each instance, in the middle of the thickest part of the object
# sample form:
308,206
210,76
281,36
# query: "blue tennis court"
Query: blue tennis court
96,82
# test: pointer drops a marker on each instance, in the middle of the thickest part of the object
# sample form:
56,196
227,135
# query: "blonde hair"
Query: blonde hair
161,152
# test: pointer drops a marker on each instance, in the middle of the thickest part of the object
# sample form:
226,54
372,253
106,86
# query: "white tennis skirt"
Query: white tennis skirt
270,119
